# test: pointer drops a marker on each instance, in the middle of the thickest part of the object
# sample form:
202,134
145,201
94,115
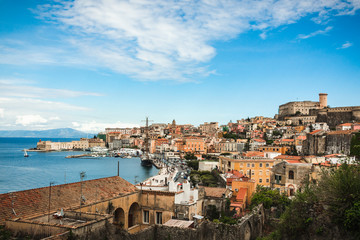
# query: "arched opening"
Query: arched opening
291,174
134,214
291,190
119,217
247,231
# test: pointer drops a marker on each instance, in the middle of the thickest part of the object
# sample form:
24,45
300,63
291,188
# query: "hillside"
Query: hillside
51,133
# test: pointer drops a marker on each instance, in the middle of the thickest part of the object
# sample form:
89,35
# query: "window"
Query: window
267,165
260,180
248,165
229,164
260,172
253,172
158,217
253,165
267,180
291,174
260,165
146,216
267,172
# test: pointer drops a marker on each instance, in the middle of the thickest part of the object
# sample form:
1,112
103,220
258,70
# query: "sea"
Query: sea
41,168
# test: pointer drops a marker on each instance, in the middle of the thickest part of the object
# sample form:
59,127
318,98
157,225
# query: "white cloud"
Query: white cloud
19,88
26,120
2,112
313,34
347,44
171,39
263,35
95,127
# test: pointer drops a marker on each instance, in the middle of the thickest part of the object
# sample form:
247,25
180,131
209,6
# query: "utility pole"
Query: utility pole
82,175
51,183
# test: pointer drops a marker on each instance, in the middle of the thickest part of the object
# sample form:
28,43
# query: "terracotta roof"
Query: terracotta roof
293,161
35,201
287,140
214,192
259,140
316,131
241,194
346,124
253,154
288,157
342,132
301,137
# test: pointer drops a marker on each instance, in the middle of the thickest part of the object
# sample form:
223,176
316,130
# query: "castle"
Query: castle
305,112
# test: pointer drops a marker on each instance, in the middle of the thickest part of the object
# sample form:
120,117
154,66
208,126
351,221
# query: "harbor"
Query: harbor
40,168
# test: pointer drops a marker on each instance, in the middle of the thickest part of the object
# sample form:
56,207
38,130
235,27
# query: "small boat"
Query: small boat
25,153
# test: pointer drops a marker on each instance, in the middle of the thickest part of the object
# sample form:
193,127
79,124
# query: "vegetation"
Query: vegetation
329,208
204,178
190,156
194,164
208,157
292,151
355,146
227,216
231,135
4,234
269,198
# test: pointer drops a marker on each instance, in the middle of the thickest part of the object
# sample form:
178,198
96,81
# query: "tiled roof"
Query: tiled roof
241,194
259,140
214,192
316,131
35,201
287,140
288,157
253,154
346,124
293,161
341,132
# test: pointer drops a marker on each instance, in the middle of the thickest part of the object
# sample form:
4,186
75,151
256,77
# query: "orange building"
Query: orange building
242,193
258,169
277,149
194,144
161,141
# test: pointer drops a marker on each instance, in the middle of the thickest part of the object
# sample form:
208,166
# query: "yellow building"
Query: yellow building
277,149
258,169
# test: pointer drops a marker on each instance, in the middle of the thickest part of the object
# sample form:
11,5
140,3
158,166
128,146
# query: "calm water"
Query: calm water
20,173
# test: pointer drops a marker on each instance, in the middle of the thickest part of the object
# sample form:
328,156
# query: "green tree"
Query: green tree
194,164
268,197
190,156
355,145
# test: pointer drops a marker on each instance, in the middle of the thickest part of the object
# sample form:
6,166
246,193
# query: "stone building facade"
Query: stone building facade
289,176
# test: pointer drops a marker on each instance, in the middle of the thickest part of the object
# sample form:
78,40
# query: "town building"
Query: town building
257,169
289,176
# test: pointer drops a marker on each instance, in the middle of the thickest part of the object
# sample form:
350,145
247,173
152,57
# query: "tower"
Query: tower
323,100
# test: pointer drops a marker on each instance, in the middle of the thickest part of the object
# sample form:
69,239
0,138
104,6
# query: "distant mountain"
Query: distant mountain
51,133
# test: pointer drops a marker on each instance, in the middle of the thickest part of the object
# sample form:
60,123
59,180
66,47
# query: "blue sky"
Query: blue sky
88,64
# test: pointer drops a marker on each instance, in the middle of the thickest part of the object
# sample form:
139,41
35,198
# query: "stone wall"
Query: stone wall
314,144
333,118
338,143
250,227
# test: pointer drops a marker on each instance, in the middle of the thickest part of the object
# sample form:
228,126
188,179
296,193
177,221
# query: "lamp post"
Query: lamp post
82,176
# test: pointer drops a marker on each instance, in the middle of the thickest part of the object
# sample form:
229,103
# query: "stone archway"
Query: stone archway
119,217
134,215
247,231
